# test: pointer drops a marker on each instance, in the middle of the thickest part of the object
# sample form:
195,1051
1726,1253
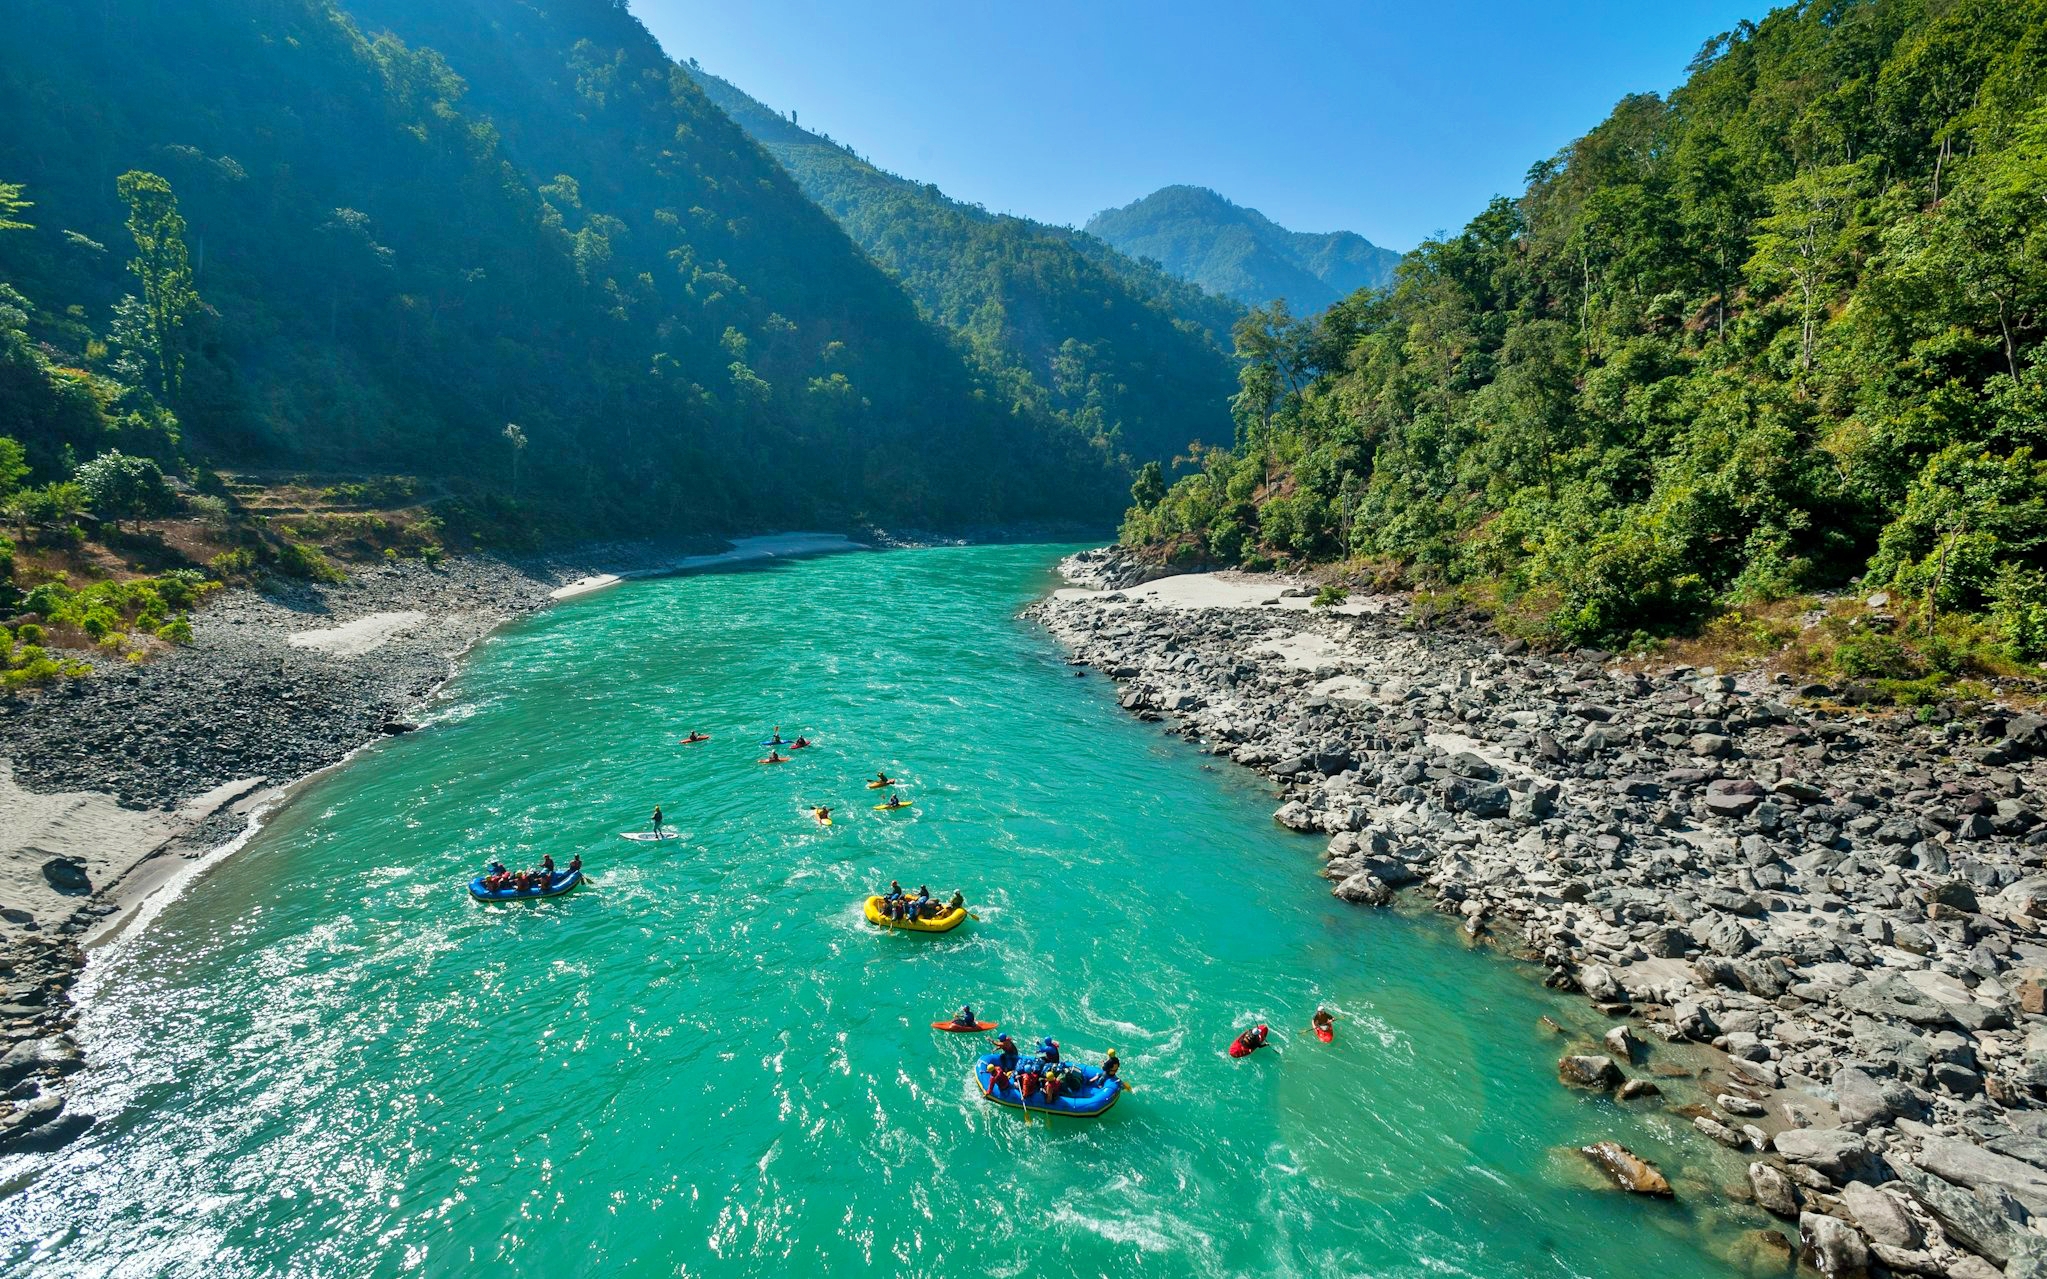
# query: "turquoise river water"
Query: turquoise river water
325,1060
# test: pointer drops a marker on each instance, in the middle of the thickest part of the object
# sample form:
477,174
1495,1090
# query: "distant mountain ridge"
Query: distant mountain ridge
1200,236
1121,350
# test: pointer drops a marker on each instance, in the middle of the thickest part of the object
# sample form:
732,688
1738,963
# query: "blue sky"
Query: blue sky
1395,121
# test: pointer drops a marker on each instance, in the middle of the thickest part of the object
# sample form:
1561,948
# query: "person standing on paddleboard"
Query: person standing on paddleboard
657,821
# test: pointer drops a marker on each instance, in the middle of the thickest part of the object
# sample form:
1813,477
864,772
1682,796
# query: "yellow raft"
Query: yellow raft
948,919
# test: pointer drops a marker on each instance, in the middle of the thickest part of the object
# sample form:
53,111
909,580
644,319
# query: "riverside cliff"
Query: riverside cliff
1849,907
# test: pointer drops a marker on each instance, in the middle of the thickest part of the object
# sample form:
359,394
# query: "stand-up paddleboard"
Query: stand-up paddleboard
648,836
958,1029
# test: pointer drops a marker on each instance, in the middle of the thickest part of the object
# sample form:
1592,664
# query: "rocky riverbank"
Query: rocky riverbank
1849,907
110,786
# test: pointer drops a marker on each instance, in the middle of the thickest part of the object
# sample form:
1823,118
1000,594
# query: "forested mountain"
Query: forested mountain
379,239
1778,331
1225,248
1060,319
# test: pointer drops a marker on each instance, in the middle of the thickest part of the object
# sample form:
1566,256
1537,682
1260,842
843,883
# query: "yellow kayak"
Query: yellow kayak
947,920
890,808
893,781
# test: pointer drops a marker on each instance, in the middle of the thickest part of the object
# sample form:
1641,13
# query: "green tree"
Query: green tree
117,486
13,467
164,266
12,203
1806,242
517,439
1150,486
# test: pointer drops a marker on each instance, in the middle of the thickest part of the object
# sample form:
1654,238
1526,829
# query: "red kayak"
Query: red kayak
1326,1034
958,1029
1244,1045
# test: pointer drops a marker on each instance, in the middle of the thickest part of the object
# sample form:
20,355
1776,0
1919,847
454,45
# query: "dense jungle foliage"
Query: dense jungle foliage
1779,332
1061,320
512,249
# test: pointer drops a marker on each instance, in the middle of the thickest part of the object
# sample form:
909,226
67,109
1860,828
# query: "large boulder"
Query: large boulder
1880,1217
1891,996
1589,1071
1773,1190
1629,1171
2028,733
1836,1153
1479,799
1832,1246
67,875
1863,1100
1967,1164
1970,1219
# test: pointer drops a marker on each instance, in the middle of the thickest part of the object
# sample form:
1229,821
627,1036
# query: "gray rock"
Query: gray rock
1892,996
1880,1217
67,875
1479,799
1968,1219
1832,1246
1773,1190
1863,1100
1589,1071
1967,1164
2027,733
1836,1152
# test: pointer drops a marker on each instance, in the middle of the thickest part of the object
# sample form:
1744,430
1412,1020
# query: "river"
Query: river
324,1060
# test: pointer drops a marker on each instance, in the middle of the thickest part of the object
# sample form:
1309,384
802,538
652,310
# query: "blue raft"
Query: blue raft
559,883
1096,1093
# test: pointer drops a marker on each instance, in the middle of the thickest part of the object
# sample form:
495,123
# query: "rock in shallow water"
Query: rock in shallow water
1629,1171
1589,1071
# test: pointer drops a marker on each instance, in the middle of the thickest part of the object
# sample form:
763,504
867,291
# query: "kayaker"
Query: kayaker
799,743
1324,1021
1111,1064
775,738
822,813
695,736
1250,1041
894,800
965,1018
775,757
1048,1051
882,779
657,819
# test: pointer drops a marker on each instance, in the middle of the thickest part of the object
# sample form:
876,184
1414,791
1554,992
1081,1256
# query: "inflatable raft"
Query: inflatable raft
561,882
1096,1093
947,920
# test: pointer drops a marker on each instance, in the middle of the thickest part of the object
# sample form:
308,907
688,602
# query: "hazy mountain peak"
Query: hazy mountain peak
1203,236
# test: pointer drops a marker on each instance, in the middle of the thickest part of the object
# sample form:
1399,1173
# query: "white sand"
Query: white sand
111,842
745,550
1222,590
354,639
